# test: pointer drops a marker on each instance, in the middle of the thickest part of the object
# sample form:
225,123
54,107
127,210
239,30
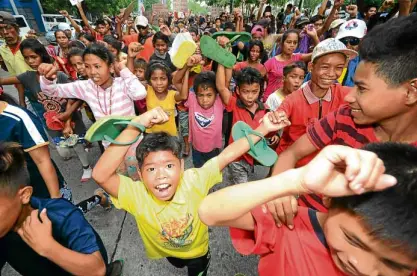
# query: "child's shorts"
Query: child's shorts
183,122
196,267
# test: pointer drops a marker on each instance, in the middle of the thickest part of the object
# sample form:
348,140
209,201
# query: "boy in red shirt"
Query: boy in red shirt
245,106
381,107
360,235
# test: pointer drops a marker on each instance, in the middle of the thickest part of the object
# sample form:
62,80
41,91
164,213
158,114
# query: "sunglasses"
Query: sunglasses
350,40
140,27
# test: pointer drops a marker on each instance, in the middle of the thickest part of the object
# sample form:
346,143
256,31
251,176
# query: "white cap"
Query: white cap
329,46
141,21
352,28
336,23
64,26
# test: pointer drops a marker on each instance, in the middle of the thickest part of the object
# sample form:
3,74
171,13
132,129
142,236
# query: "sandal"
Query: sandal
260,151
233,36
211,49
109,128
115,268
185,50
105,200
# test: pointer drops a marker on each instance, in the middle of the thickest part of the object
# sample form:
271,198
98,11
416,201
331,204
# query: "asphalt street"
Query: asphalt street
120,234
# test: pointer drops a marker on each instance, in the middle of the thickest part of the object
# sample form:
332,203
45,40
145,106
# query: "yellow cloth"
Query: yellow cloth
15,63
342,76
168,105
171,228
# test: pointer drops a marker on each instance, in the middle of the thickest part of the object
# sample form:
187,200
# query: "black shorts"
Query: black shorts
196,267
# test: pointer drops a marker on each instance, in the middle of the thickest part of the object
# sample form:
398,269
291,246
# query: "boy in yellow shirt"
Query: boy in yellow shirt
165,204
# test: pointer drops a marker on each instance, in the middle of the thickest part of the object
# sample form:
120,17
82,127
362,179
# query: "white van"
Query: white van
50,20
23,24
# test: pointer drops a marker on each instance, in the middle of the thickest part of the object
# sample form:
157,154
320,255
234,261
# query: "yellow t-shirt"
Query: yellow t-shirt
171,228
168,105
15,63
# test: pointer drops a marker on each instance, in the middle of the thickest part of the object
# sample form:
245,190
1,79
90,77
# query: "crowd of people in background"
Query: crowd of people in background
331,91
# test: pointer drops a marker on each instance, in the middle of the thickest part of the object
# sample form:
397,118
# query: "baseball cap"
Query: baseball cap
7,18
141,21
336,23
332,45
352,28
258,29
64,26
302,20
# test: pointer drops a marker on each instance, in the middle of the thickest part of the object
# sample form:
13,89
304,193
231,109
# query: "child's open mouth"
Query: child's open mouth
163,190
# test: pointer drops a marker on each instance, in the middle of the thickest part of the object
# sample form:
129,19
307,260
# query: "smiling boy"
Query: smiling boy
381,107
165,203
370,228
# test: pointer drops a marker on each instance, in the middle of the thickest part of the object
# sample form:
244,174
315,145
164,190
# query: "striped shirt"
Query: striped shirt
337,128
115,100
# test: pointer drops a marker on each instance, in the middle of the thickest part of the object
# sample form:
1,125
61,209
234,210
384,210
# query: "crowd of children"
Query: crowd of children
336,103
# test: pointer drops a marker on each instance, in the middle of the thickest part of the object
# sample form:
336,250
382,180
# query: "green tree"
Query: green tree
196,7
95,7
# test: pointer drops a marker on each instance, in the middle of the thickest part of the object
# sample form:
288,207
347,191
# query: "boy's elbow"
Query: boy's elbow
205,215
98,176
100,269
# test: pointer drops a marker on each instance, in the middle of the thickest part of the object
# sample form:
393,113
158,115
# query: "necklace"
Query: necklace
105,102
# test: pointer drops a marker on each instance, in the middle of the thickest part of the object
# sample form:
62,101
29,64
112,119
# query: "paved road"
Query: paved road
121,238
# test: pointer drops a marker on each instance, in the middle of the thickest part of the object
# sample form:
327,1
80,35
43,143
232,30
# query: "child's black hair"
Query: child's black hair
89,37
206,80
62,31
158,141
161,36
37,47
390,215
140,63
100,51
75,52
258,43
316,18
250,75
392,48
193,30
116,44
156,65
287,33
229,25
100,21
298,64
13,172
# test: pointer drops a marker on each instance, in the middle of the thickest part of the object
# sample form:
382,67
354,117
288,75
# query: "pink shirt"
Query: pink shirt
115,100
205,125
275,71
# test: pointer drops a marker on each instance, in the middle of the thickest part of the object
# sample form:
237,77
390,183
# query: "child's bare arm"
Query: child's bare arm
84,18
272,122
181,77
104,172
363,173
222,85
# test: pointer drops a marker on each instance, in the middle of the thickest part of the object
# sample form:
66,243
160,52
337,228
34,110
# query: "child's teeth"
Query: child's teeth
162,186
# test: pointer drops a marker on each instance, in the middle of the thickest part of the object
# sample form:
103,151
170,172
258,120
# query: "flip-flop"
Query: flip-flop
184,52
211,49
115,268
233,36
110,127
259,151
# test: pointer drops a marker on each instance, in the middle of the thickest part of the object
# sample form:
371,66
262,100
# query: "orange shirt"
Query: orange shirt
148,50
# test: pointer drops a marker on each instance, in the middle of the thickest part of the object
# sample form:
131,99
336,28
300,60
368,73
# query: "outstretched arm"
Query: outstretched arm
222,85
181,77
84,18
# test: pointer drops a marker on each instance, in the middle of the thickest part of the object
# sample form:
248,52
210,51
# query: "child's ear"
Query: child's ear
237,90
25,194
411,92
310,67
182,164
112,68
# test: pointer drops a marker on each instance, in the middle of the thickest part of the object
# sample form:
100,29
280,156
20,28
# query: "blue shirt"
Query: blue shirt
69,227
21,126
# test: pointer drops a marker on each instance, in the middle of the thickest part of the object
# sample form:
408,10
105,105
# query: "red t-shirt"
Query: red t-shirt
240,113
148,50
337,128
302,251
303,109
244,64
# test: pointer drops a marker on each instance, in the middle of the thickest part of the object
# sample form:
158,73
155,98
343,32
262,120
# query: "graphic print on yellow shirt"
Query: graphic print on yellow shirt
171,228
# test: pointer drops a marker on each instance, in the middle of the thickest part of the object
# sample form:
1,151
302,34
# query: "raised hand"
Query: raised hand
165,30
64,13
194,60
274,121
47,70
152,117
134,49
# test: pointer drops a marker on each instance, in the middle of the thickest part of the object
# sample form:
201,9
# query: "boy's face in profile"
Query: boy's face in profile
140,73
373,99
205,96
356,252
11,208
248,93
161,173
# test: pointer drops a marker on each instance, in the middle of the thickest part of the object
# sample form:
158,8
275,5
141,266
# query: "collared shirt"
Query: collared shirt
241,113
303,108
171,228
14,61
